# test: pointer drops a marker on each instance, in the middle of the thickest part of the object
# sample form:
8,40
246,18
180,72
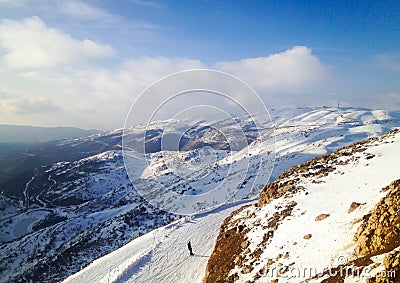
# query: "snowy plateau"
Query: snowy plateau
83,220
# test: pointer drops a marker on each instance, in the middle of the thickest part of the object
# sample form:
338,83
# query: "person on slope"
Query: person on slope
190,248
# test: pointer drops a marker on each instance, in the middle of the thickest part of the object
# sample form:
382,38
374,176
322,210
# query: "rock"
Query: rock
379,232
308,236
392,260
321,217
247,269
244,244
240,228
353,206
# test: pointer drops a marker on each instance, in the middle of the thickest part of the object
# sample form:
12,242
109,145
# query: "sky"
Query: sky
83,63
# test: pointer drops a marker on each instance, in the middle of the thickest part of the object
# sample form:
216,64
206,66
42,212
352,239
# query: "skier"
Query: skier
190,248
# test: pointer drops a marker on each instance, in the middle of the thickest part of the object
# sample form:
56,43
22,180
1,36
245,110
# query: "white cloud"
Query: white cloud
30,43
150,4
292,68
93,96
133,76
83,10
12,2
35,105
26,105
5,94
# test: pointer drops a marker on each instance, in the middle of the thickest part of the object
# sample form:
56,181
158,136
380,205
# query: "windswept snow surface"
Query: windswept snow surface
162,255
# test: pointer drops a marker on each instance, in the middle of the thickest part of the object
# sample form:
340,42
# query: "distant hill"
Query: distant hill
29,134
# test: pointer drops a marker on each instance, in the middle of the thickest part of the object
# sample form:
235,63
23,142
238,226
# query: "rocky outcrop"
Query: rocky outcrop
234,257
232,247
380,231
230,243
391,274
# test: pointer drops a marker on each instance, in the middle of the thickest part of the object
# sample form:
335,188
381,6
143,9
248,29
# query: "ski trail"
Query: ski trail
162,255
134,267
171,261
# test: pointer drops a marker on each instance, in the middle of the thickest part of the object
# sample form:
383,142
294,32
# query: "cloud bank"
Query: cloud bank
292,68
30,43
62,80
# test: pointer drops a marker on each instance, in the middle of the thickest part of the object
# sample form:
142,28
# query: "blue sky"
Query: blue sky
79,63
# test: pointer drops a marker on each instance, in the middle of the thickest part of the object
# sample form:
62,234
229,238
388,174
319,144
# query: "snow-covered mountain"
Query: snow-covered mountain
70,213
314,217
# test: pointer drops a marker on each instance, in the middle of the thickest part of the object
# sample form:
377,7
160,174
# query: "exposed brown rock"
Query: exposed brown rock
353,206
244,244
308,236
380,231
322,217
391,274
392,260
226,252
247,269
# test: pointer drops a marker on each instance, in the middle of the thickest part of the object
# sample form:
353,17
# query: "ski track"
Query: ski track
150,258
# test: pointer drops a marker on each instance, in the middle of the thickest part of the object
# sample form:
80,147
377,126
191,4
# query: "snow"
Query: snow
332,237
161,255
101,182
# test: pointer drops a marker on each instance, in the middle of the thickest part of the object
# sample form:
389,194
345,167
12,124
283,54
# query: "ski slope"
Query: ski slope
162,255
